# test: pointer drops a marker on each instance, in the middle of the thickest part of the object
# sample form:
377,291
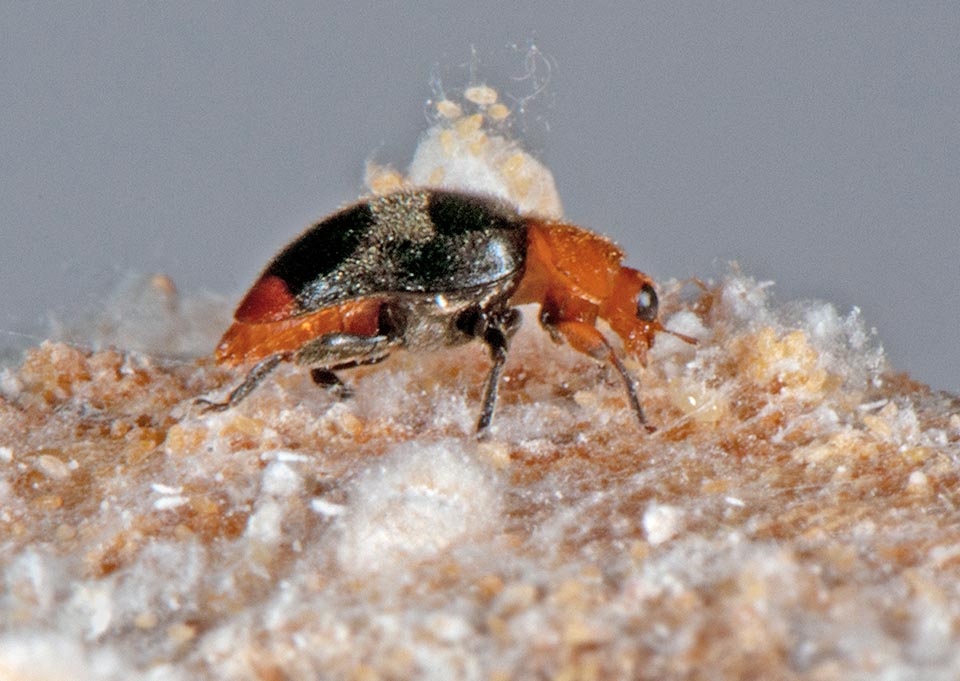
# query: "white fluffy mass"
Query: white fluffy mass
415,503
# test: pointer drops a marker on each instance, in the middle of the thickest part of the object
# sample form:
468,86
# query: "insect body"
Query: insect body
424,269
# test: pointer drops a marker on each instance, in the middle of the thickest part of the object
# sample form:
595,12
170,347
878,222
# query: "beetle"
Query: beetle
421,269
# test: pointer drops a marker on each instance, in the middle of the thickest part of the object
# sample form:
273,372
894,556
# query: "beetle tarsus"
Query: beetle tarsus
253,379
209,406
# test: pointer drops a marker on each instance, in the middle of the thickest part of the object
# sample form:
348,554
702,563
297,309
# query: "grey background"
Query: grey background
816,143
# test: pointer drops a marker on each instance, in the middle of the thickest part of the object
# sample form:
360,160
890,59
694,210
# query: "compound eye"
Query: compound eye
647,304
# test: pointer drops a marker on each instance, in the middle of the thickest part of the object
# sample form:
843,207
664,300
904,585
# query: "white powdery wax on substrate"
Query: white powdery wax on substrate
746,300
420,500
846,346
274,521
43,656
662,522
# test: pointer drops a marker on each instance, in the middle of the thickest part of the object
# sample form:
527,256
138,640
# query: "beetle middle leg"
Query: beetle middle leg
495,329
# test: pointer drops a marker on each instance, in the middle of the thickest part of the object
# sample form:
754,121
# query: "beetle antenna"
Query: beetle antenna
682,336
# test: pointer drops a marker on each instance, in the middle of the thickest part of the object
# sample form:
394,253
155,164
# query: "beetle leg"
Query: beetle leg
497,343
588,340
325,378
496,332
253,379
335,351
550,327
344,350
329,381
361,362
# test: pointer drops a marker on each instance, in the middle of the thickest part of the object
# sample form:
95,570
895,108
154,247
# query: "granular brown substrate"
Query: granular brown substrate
795,516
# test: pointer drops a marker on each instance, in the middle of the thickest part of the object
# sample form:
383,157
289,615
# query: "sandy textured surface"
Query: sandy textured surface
794,517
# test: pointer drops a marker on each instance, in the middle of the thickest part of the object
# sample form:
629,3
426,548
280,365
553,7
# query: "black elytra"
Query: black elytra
406,242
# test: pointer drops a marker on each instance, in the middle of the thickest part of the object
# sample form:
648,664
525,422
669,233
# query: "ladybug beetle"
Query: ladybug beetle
421,269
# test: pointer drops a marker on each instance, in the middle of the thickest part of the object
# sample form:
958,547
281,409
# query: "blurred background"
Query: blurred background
817,144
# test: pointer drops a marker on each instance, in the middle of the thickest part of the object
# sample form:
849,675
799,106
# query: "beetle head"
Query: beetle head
632,312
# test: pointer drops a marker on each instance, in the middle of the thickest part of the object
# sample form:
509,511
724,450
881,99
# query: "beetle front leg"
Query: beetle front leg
588,340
